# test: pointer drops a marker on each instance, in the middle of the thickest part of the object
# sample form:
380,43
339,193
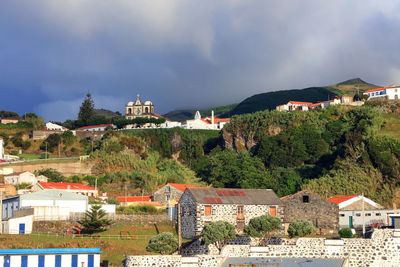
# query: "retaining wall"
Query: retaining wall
381,250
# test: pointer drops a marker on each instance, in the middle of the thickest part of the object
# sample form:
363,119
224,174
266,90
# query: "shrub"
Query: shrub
14,152
164,243
346,233
26,144
262,226
218,233
44,155
300,228
113,201
145,208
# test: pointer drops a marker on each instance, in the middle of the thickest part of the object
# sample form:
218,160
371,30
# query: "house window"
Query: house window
240,212
206,223
367,214
341,215
188,211
306,199
182,210
377,214
272,211
207,210
358,214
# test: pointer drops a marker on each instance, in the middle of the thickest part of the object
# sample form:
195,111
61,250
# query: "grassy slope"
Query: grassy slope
113,249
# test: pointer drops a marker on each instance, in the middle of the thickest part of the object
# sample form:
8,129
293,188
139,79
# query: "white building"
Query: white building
55,127
20,178
20,224
207,123
60,257
1,149
77,188
294,105
95,128
351,214
385,93
54,204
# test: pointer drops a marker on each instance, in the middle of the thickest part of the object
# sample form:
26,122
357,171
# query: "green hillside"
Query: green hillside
272,99
180,115
352,86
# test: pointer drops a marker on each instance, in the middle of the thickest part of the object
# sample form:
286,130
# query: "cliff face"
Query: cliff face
239,140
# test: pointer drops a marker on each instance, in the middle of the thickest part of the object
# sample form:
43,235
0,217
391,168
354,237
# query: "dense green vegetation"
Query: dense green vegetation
272,99
332,151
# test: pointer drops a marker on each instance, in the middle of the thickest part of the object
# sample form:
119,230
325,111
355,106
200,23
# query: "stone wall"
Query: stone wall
322,213
193,218
68,168
160,195
381,250
188,215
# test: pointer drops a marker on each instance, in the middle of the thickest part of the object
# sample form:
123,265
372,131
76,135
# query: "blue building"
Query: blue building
54,257
9,205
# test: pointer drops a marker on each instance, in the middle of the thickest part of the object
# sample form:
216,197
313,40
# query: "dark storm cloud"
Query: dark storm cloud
187,54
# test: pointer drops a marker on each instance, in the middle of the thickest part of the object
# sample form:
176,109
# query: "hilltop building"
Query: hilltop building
201,206
207,123
170,193
306,106
10,120
54,127
384,93
70,187
140,109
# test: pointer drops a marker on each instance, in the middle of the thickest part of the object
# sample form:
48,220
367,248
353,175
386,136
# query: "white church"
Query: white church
207,123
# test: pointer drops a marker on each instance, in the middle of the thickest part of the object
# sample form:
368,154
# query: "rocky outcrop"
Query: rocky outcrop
246,141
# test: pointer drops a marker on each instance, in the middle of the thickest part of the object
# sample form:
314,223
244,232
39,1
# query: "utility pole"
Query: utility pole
126,197
363,215
1,211
46,151
179,228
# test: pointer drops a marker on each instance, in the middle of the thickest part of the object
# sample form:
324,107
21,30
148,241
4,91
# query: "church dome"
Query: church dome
148,103
130,103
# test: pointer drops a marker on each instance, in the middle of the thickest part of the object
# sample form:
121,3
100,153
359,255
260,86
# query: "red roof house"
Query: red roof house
72,187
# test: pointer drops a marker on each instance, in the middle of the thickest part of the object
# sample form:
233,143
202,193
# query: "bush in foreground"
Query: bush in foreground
345,233
164,243
301,228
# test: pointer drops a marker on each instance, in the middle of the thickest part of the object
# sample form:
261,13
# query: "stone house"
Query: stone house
201,206
170,193
305,205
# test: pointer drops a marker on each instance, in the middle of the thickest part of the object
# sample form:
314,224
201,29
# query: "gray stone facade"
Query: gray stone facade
165,193
306,205
194,217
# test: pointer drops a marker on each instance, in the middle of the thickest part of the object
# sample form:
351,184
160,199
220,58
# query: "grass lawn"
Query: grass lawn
392,125
30,156
110,243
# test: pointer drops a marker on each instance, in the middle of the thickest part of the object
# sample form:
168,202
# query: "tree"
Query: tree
218,233
300,228
36,121
52,174
345,233
86,110
94,220
163,243
68,138
262,226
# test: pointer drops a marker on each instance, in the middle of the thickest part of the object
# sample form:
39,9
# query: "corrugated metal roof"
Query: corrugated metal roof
235,196
53,194
50,251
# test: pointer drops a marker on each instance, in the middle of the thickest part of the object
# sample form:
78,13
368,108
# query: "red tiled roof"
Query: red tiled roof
182,187
378,89
93,126
208,120
134,199
66,186
300,103
340,199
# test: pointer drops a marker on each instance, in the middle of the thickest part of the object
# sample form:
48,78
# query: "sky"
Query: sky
187,54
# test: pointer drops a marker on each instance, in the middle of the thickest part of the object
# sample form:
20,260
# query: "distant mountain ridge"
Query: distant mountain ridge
270,100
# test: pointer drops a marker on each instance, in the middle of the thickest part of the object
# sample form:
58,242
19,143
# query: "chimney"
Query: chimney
212,119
